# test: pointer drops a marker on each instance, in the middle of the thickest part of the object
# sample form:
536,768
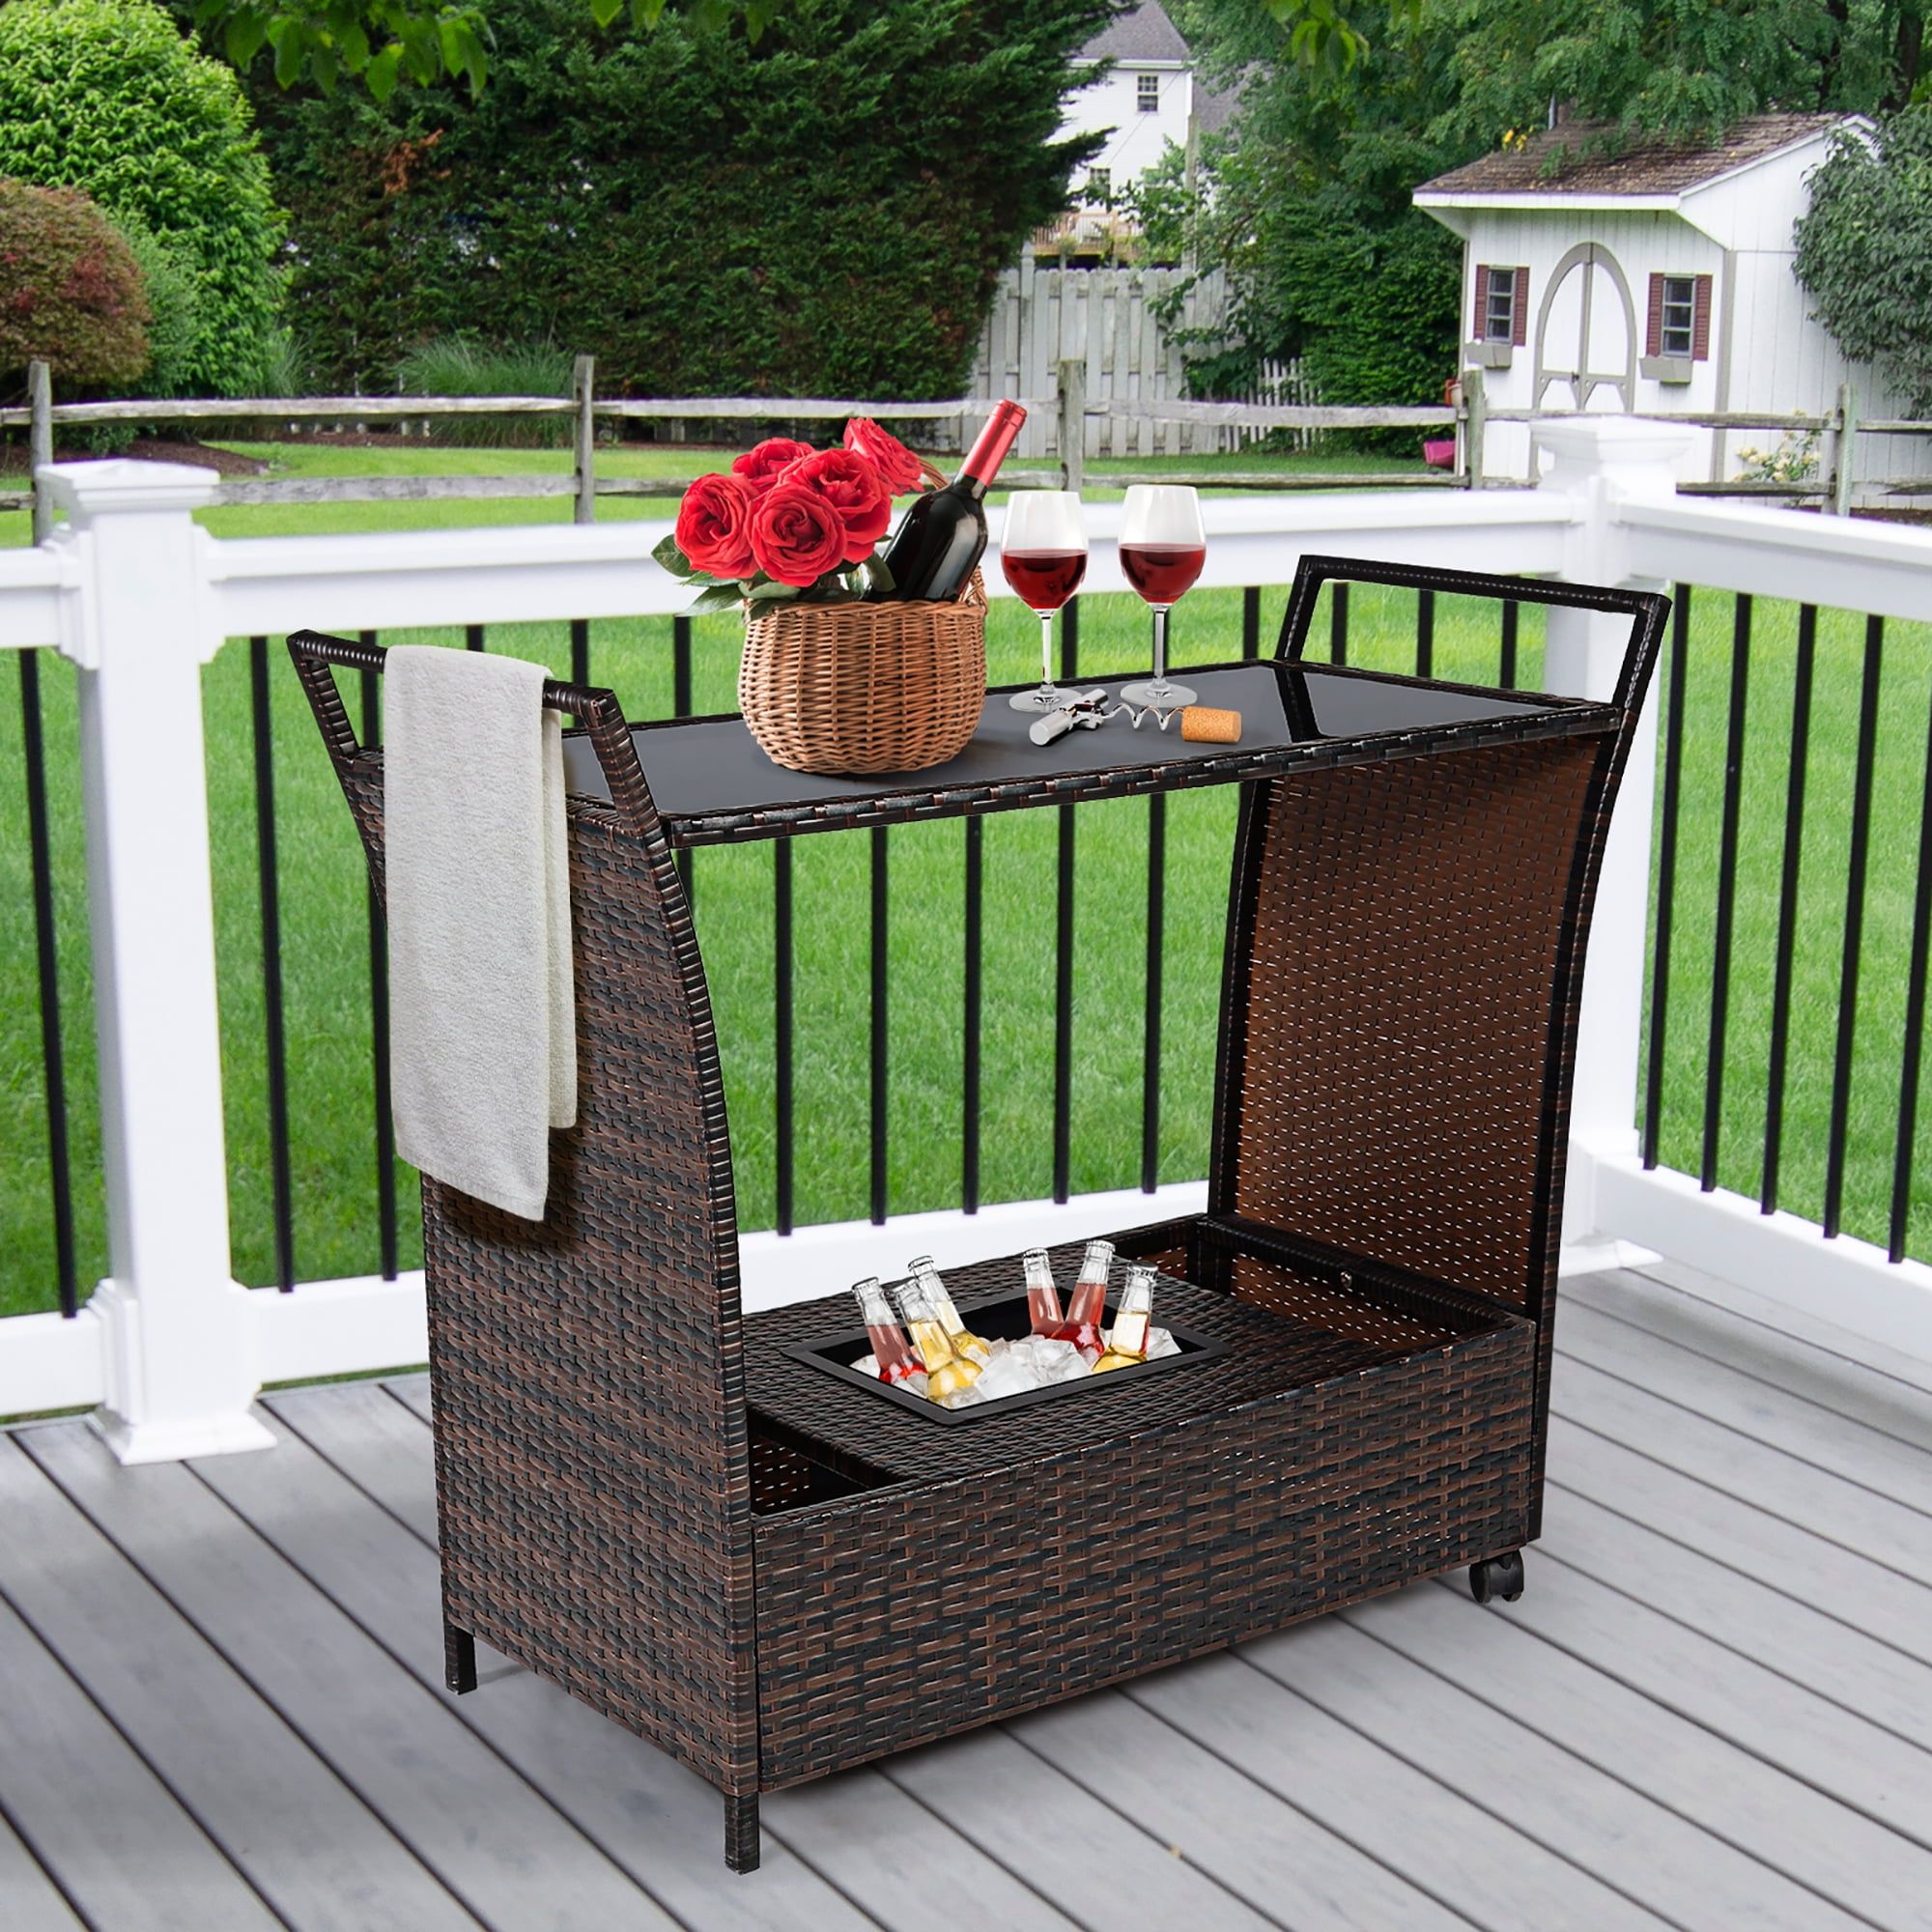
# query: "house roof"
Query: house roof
1215,107
1650,168
1143,33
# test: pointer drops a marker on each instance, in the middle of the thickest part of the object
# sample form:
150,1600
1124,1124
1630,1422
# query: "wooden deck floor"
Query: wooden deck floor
220,1703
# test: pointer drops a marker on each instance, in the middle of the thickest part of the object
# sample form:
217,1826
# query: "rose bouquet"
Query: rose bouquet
789,523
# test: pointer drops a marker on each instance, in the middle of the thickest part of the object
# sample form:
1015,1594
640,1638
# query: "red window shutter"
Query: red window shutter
1519,309
1653,329
1482,302
1700,324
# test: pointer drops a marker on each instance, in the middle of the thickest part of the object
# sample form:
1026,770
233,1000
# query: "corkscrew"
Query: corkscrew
1086,708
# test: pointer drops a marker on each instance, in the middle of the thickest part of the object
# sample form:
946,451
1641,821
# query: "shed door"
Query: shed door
1587,335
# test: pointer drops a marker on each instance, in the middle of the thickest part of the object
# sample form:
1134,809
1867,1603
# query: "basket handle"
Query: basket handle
594,706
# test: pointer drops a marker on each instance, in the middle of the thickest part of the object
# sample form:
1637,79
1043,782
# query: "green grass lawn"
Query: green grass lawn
325,947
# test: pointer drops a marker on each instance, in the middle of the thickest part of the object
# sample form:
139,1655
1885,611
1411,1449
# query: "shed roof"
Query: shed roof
1650,168
1143,33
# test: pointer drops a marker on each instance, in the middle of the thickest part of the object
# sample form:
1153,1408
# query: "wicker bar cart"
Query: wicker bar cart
670,1510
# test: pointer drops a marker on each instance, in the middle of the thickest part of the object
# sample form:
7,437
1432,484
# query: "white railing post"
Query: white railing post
1599,463
178,1334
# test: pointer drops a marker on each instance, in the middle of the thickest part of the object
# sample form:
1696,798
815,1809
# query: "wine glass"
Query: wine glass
1043,553
1162,549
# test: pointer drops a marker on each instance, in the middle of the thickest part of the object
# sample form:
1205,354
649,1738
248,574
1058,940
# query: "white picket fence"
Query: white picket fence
172,1350
1103,318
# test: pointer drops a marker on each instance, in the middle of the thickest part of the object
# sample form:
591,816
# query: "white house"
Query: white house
1139,103
1656,281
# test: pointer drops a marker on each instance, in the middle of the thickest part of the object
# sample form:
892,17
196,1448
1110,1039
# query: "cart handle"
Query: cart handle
594,706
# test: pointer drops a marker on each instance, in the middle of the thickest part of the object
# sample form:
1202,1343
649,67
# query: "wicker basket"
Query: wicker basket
866,687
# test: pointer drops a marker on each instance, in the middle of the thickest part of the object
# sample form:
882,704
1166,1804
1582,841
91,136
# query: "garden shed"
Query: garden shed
1656,281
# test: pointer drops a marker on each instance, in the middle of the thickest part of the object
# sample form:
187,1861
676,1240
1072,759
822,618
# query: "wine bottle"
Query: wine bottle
942,536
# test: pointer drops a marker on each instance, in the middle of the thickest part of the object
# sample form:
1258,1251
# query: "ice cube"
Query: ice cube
866,1365
916,1383
962,1398
1059,1361
1161,1343
1013,1371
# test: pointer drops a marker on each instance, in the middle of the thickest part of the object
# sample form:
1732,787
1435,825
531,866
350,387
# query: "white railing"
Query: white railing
172,1350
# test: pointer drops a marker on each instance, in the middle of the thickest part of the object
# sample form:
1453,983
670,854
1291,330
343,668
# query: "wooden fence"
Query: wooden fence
1159,424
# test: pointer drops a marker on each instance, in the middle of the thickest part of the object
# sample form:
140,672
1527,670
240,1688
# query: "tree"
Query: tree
385,42
74,296
106,95
1865,249
824,213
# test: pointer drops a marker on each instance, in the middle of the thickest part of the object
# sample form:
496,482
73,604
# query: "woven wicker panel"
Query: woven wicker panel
921,1611
1309,1298
1406,924
891,687
592,1471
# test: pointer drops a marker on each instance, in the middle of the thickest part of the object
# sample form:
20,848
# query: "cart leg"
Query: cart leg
1497,1577
459,1658
741,1832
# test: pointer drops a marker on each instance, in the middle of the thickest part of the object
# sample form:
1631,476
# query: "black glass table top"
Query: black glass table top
713,786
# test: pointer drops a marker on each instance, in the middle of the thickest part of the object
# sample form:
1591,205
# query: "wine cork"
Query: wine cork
1204,725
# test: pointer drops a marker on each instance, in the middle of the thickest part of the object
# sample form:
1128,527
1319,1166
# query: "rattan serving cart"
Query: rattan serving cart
666,1508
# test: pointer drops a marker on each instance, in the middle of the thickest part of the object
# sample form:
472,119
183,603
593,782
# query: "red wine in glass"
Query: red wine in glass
1162,573
1044,579
1043,552
1162,548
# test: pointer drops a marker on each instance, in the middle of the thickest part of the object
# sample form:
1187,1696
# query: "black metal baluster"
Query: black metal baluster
1912,1048
1666,872
379,1012
473,636
1425,634
680,707
580,650
1787,906
1854,915
1511,617
269,882
1156,906
1338,624
1063,1012
880,977
1727,892
781,1041
46,961
969,1088
1251,621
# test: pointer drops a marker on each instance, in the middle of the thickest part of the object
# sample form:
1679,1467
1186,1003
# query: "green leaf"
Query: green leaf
382,73
717,597
604,12
674,560
291,43
768,592
243,38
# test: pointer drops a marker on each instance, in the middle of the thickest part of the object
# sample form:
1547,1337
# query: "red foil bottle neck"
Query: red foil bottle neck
990,448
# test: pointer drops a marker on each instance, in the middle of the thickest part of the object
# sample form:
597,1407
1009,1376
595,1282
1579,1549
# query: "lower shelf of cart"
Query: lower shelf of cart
1292,1328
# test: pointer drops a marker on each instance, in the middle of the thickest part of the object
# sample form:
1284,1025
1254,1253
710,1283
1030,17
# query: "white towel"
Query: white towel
483,1046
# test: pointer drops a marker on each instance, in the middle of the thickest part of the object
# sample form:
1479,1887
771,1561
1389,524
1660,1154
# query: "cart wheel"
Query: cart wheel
1497,1577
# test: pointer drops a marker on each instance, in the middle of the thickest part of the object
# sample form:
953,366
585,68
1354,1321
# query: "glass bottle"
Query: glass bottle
964,1341
890,1347
1127,1341
946,1373
1084,1313
1042,1294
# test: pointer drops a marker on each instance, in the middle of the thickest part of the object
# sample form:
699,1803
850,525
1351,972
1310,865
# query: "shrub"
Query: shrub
106,95
824,213
1865,249
174,308
459,365
70,290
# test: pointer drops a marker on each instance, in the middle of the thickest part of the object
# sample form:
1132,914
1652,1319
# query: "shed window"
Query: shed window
1147,92
1502,304
1680,317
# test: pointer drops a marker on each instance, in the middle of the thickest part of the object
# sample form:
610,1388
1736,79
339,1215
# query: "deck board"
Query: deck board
319,1856
1712,1708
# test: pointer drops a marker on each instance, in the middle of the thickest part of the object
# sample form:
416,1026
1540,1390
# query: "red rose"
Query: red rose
760,468
797,535
886,453
714,527
852,485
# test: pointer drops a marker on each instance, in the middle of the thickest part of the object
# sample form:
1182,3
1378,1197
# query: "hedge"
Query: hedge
70,292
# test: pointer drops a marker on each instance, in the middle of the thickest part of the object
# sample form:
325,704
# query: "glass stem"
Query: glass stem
1046,651
1160,644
